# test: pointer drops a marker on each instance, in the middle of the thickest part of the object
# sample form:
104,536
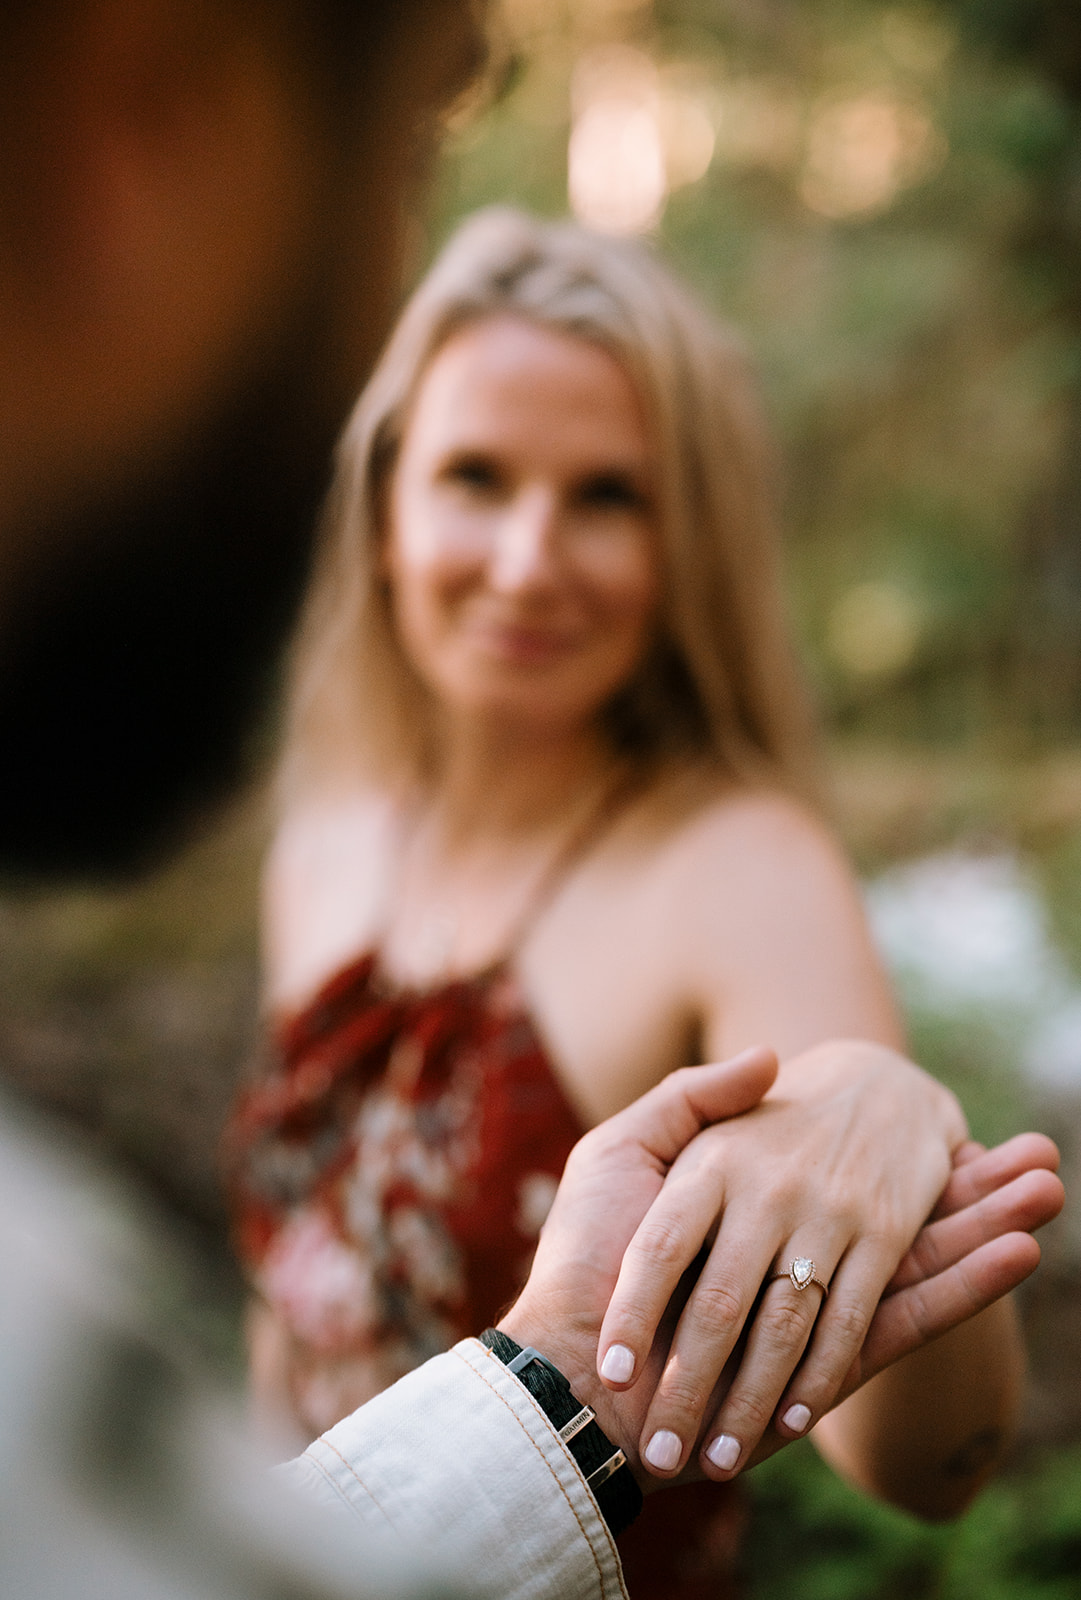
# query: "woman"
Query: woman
548,833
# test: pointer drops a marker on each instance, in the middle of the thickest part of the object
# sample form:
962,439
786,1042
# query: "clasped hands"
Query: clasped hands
650,1287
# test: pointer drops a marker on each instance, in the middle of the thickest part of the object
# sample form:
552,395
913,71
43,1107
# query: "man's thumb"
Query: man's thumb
667,1118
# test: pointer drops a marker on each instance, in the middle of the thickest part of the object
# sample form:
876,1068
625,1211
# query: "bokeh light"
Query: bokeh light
861,152
874,629
616,178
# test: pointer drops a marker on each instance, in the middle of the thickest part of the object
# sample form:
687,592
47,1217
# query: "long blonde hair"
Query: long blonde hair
720,683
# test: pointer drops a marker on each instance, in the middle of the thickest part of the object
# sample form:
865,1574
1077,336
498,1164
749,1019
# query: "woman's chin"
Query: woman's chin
529,698
525,715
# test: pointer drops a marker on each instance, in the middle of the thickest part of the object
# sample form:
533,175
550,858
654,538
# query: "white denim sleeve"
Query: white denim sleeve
459,1457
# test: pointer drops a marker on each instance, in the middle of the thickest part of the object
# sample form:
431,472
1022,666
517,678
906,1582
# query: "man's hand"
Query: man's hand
976,1248
843,1161
612,1177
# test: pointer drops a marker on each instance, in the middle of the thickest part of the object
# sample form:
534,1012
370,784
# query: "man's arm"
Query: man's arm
460,1454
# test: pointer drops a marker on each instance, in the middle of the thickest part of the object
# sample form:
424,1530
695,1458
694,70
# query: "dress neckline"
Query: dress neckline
368,966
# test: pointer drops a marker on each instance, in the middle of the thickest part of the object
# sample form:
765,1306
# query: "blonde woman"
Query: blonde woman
548,832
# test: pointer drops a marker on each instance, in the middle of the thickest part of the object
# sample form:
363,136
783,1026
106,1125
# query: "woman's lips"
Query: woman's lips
524,644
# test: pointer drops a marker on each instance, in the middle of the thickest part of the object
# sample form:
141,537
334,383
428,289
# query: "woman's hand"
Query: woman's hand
840,1164
977,1246
968,1257
614,1174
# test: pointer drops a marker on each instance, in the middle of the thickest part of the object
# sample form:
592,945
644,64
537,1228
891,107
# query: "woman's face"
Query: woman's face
521,545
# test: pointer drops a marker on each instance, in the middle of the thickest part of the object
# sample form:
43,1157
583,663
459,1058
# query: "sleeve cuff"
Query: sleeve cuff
459,1457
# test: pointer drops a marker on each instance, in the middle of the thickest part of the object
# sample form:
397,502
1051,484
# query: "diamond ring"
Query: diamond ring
801,1274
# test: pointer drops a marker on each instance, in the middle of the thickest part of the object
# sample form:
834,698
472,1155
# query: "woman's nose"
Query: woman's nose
525,553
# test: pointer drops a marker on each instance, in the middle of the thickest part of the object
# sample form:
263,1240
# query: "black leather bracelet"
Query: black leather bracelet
603,1466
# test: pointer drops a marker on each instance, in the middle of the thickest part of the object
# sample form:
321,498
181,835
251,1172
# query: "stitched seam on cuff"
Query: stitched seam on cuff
355,1475
574,1512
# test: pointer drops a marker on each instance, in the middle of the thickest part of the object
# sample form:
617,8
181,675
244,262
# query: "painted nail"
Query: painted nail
663,1450
618,1364
797,1418
724,1451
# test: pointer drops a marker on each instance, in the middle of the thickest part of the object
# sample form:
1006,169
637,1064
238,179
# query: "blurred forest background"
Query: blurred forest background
886,199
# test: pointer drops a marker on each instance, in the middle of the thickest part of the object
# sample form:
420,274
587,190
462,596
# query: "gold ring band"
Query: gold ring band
801,1274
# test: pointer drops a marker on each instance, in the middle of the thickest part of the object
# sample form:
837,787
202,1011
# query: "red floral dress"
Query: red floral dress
389,1177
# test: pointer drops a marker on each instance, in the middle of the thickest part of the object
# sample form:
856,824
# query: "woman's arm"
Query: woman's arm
927,1433
841,1164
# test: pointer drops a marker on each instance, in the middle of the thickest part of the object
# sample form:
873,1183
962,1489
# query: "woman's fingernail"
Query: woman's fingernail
724,1452
663,1450
797,1418
618,1364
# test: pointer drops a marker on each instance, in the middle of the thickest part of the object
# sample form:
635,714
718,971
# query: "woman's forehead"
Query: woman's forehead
509,375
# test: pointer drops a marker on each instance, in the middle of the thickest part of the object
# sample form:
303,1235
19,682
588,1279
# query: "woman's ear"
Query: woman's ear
384,456
381,532
383,565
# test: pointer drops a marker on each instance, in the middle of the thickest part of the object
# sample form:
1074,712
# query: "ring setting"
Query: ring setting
801,1274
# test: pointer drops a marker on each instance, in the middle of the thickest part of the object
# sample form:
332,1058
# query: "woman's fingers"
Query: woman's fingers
717,1310
954,1251
766,1391
676,1224
733,1287
925,1311
667,1241
782,1328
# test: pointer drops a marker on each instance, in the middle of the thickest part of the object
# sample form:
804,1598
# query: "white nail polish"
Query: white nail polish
797,1418
724,1452
663,1450
618,1364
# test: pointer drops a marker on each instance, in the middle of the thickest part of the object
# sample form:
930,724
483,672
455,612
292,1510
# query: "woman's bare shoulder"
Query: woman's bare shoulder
326,834
747,867
705,854
324,888
703,820
765,924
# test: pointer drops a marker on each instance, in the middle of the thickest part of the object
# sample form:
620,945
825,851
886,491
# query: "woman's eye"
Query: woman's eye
612,491
473,473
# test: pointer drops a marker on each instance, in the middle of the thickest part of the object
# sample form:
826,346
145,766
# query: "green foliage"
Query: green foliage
814,1537
920,359
975,1056
841,1546
919,351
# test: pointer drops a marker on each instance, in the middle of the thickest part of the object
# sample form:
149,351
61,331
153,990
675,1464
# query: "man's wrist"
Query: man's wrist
575,1358
526,1326
600,1460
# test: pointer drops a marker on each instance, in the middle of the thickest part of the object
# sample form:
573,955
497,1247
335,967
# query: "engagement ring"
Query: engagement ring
800,1274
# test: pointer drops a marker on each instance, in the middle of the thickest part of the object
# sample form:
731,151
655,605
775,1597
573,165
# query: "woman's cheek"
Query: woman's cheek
459,543
626,561
631,586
